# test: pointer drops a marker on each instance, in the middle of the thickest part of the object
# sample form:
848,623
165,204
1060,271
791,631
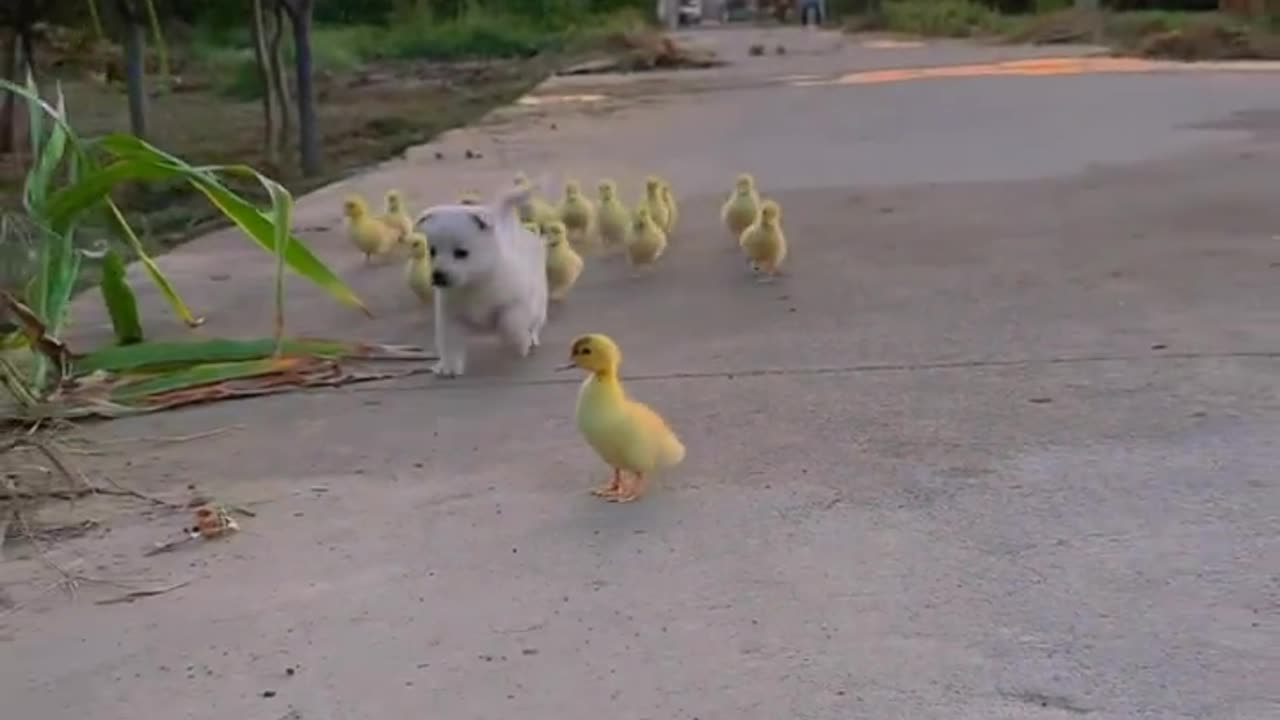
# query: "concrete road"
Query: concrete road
1001,445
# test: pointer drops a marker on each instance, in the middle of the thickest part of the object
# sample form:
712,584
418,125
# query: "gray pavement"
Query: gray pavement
1001,444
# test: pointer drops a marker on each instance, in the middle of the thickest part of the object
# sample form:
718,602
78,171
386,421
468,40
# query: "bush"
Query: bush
946,18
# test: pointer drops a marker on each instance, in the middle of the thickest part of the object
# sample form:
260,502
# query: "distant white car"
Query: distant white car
690,12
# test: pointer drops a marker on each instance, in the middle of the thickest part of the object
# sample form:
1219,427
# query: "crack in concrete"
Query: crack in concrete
843,370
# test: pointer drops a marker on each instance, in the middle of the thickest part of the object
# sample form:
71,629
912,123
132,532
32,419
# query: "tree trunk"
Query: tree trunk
262,56
308,135
13,63
275,55
135,43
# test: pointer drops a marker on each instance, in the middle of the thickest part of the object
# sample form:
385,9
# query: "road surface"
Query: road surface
1002,444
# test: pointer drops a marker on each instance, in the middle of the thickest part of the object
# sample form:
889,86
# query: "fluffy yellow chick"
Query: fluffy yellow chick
396,217
564,264
370,234
613,221
764,243
654,202
626,434
742,208
418,269
647,241
470,197
578,215
673,212
536,210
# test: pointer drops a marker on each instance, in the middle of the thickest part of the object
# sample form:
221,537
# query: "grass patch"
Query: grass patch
1153,34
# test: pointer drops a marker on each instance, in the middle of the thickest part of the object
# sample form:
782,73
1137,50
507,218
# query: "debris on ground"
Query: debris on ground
641,50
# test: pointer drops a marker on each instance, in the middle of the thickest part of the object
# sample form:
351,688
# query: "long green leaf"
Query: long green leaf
197,376
35,119
178,353
258,226
44,171
69,201
153,270
122,305
167,354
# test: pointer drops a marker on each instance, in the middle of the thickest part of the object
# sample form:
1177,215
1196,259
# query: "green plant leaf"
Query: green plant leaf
167,354
35,119
69,201
258,226
197,376
44,171
121,303
153,270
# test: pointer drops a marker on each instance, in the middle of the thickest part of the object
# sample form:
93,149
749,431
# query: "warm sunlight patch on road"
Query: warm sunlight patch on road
549,99
1039,66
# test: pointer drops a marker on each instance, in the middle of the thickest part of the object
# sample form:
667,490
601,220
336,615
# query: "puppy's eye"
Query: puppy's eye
461,254
433,251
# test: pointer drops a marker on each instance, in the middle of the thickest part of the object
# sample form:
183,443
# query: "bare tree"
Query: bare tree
19,59
266,76
135,44
300,12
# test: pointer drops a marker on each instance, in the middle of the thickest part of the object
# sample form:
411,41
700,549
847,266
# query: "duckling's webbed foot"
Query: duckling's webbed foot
610,489
629,491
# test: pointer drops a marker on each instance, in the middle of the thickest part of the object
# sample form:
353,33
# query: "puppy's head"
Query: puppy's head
464,248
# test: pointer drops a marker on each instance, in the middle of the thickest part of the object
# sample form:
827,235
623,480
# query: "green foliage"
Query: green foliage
942,18
477,33
71,179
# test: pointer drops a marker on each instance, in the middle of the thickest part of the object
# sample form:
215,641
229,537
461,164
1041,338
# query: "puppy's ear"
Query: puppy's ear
482,221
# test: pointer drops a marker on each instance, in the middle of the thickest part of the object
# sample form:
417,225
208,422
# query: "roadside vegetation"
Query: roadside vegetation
130,125
1186,30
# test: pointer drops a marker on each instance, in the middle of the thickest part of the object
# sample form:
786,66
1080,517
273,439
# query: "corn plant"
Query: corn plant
71,180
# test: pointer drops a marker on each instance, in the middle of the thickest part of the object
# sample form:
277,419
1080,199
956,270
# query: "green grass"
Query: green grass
1147,33
940,18
477,34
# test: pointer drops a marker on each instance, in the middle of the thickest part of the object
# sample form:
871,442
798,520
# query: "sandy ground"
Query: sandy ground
1001,444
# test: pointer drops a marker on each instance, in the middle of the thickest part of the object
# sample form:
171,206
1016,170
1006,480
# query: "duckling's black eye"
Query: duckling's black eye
585,351
433,251
460,254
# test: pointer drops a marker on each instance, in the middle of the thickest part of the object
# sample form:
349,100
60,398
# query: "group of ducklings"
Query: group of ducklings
382,235
628,435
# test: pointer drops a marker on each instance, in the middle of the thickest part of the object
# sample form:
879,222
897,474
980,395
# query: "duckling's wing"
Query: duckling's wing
653,438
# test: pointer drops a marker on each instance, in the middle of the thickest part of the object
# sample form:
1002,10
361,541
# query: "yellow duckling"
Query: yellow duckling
647,241
470,197
418,269
628,435
669,198
536,210
613,221
396,217
578,215
564,264
370,234
764,243
742,208
654,202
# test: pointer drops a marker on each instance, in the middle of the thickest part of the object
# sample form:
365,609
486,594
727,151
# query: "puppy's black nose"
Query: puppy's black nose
439,279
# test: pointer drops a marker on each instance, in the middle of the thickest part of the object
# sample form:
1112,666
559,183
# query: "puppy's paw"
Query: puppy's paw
445,369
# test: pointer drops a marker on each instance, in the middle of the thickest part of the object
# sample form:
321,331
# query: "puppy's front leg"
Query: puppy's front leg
516,327
451,345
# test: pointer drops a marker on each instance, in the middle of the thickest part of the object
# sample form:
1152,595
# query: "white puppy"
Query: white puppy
489,274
